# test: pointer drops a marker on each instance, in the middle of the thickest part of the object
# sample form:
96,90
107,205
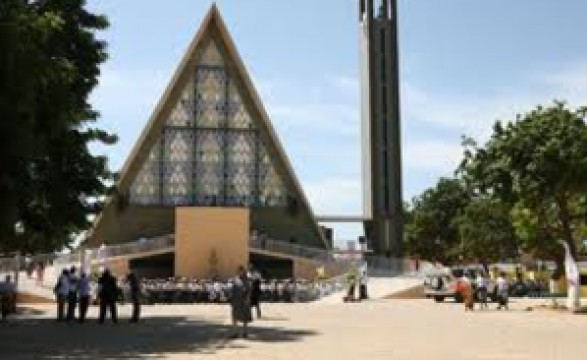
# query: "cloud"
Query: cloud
129,89
474,114
570,82
432,155
340,118
327,106
335,196
347,84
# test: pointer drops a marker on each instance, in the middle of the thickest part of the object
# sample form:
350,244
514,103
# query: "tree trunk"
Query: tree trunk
573,286
565,219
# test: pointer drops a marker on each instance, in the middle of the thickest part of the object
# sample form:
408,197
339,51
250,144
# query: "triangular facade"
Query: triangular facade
209,142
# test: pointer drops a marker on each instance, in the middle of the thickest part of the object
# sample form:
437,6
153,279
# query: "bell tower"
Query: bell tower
381,134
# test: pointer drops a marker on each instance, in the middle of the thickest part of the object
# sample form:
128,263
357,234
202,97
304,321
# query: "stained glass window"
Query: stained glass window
210,104
272,192
211,55
145,189
209,179
210,152
240,161
239,116
177,166
182,114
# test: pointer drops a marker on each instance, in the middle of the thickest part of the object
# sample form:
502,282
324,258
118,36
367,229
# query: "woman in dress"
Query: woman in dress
465,288
240,301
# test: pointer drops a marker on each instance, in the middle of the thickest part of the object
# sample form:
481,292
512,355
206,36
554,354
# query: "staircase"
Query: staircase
378,268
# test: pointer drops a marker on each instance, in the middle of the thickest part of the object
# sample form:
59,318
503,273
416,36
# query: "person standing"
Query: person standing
107,294
84,296
351,283
466,289
61,291
240,302
256,292
72,294
7,296
482,284
363,295
40,273
135,296
502,292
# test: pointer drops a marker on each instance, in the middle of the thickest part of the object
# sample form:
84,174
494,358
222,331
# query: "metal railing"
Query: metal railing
136,247
376,265
330,286
291,249
336,267
322,257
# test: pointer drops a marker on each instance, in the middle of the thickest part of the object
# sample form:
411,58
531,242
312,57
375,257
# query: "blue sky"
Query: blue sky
464,64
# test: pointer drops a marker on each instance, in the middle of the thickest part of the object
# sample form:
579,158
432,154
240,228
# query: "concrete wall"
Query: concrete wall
118,267
211,241
131,222
305,269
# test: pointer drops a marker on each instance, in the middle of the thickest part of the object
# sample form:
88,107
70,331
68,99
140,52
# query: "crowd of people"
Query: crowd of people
475,289
74,292
243,295
188,290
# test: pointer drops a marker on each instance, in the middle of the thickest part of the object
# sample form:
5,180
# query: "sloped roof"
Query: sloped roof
212,24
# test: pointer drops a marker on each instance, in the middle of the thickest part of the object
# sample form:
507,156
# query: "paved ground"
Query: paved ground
381,329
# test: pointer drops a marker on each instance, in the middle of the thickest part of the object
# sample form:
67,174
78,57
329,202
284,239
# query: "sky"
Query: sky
463,64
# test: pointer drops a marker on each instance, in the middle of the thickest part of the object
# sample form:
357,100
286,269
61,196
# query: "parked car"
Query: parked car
441,286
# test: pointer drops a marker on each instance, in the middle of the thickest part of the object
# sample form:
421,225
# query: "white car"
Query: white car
441,286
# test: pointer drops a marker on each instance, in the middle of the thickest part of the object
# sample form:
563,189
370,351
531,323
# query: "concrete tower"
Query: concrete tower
382,197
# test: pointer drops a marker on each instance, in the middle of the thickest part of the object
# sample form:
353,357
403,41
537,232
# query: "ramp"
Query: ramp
378,288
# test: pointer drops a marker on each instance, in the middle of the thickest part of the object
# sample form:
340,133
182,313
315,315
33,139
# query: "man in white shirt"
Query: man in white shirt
482,284
363,295
502,291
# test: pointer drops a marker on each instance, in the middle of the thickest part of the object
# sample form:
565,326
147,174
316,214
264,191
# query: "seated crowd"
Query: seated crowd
186,291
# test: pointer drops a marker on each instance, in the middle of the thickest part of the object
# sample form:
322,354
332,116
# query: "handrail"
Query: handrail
292,249
111,251
140,246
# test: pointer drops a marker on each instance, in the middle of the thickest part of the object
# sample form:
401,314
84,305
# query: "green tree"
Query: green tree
486,231
49,64
538,165
431,231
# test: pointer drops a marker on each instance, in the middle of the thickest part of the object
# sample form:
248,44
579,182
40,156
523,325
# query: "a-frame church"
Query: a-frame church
208,166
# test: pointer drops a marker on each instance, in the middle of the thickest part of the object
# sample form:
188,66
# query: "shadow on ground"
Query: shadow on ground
42,339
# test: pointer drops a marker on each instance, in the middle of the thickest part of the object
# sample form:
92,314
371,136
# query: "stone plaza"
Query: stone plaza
375,329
